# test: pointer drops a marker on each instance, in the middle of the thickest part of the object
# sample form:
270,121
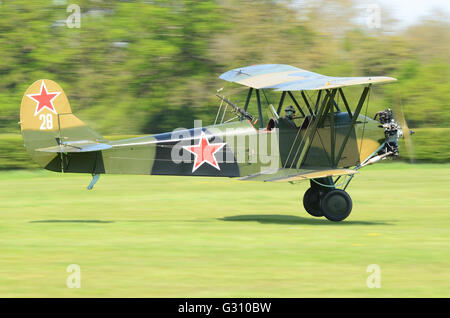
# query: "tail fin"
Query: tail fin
46,120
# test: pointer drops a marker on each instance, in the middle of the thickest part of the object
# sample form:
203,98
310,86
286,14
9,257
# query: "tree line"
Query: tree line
150,66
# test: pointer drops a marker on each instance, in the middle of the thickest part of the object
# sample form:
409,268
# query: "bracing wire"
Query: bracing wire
364,123
301,143
264,93
292,147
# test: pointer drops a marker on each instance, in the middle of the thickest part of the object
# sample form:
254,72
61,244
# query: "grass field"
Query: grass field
150,236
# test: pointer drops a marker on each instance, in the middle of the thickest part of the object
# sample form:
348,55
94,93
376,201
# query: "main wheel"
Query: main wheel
311,202
336,205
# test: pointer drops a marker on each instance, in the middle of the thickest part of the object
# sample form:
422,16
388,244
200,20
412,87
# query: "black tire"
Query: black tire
311,202
336,205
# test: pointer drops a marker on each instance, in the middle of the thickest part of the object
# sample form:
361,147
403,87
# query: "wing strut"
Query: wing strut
354,118
307,103
247,101
341,92
319,94
283,95
332,131
296,104
249,95
258,100
328,99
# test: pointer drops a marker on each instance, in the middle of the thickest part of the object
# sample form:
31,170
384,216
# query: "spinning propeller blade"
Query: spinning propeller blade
400,117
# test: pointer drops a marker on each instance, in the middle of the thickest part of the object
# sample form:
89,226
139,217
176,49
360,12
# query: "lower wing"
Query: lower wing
284,175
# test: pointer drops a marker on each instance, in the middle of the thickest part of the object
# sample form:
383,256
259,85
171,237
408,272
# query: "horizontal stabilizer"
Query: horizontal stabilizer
76,146
284,175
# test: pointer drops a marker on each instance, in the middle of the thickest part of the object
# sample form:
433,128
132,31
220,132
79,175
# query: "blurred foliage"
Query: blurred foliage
150,66
13,154
429,145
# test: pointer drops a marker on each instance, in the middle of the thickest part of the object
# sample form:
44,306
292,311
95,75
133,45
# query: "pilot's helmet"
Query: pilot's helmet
290,111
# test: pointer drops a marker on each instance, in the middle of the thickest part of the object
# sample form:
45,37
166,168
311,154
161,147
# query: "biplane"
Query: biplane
323,139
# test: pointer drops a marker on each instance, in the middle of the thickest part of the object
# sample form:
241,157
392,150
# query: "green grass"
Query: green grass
150,236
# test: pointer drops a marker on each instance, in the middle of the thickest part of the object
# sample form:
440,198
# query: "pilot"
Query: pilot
290,113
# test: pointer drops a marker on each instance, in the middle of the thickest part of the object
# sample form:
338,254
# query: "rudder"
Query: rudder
46,120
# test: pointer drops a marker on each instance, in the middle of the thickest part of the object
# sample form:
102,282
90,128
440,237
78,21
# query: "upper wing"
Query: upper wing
298,175
282,77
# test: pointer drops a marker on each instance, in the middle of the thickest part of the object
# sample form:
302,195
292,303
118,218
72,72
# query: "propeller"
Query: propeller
406,132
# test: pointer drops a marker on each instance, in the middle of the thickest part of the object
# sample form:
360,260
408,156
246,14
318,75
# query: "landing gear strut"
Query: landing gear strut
323,199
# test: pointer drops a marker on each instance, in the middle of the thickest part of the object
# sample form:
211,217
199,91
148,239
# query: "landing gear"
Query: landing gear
323,199
336,205
311,202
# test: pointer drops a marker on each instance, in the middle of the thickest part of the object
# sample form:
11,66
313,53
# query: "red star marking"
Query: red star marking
204,152
44,99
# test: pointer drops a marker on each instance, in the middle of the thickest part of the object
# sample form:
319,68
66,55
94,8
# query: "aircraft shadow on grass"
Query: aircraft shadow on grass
261,218
71,221
292,220
104,221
